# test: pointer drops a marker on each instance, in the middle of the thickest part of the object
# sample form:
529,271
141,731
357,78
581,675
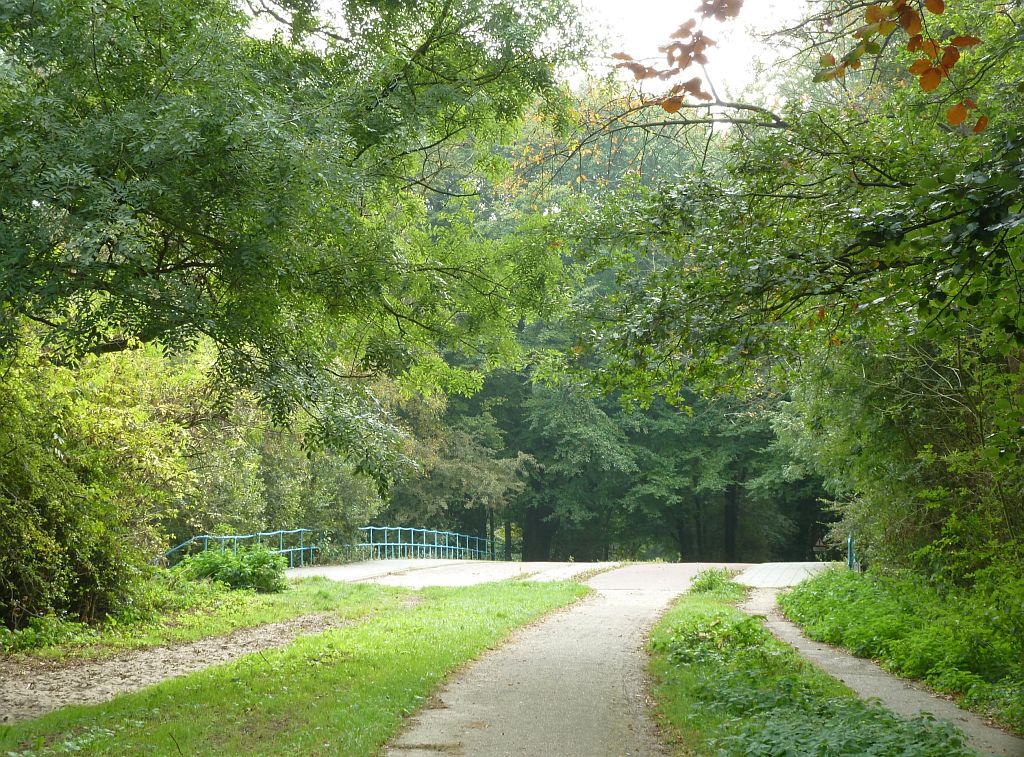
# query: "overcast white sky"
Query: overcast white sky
640,26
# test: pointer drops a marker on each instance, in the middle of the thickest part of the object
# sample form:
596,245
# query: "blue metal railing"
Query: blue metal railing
298,554
390,542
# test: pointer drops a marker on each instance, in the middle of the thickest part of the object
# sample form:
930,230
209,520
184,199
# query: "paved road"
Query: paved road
573,685
416,574
779,575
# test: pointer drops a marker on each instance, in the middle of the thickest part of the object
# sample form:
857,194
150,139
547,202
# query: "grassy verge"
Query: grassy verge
966,643
204,610
340,692
724,685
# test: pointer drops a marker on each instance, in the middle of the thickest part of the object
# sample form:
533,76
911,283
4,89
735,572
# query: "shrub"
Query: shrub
254,567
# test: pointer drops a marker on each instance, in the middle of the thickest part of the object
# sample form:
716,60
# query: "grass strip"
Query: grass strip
725,686
216,611
344,691
965,642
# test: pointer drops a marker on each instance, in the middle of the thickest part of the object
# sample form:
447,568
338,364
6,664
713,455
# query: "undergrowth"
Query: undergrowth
726,686
254,567
969,643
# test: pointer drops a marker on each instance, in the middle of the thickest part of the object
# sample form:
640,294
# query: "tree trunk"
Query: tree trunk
537,534
732,516
508,540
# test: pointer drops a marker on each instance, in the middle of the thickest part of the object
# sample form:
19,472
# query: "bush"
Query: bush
254,567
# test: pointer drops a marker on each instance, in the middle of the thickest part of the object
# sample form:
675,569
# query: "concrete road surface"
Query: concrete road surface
572,686
415,574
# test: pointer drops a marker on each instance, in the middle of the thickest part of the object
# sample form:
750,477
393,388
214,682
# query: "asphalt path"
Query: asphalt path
420,573
573,685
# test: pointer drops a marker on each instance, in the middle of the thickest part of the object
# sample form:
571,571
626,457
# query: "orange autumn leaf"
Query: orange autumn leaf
935,6
920,66
914,43
956,115
950,56
910,20
930,79
970,103
874,14
966,41
980,126
930,47
672,104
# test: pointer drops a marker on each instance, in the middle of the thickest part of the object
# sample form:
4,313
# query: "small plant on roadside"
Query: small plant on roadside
253,567
717,581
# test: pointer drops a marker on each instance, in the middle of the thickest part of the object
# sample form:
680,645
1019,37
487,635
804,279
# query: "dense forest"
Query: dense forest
271,265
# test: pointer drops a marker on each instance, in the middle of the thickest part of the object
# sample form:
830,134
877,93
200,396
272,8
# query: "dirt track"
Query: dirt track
31,688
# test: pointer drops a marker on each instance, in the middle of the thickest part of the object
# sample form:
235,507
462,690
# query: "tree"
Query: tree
169,176
866,221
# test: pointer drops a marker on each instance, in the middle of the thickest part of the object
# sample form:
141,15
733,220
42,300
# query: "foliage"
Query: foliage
107,456
86,463
964,642
728,687
249,567
182,177
858,263
378,671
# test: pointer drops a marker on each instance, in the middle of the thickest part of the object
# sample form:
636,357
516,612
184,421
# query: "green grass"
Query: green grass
212,610
725,686
969,643
340,692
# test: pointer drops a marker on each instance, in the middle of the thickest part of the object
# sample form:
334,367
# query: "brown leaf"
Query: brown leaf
622,56
935,6
720,9
956,115
672,104
930,47
910,20
693,85
874,13
828,59
980,126
640,71
950,55
684,31
966,41
914,43
970,103
930,79
920,66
